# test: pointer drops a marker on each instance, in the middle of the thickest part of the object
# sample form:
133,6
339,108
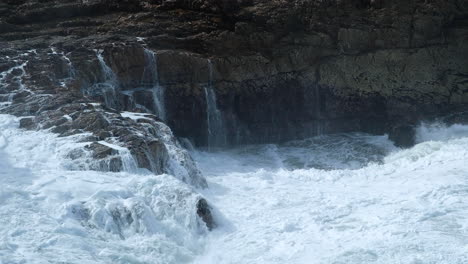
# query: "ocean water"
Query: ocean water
350,198
54,210
345,198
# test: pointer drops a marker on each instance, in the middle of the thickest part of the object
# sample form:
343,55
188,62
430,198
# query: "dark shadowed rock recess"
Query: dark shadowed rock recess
222,73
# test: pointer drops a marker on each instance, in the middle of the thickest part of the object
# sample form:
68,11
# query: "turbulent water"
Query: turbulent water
346,198
53,210
342,199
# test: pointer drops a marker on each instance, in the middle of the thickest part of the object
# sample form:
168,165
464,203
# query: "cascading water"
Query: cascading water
15,78
70,68
180,164
109,85
151,78
128,162
319,129
11,80
216,136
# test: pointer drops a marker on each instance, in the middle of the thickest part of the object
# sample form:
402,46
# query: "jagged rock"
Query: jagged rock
280,70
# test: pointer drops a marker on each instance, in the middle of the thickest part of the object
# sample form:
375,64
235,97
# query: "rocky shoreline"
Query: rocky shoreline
228,72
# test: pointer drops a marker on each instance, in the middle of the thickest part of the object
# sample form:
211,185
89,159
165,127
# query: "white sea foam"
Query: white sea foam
440,132
350,198
369,203
52,214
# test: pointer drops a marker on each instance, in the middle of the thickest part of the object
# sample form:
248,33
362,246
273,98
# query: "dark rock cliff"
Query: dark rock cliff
275,70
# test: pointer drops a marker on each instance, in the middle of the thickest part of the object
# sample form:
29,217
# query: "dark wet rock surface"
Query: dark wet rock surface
403,135
280,70
204,212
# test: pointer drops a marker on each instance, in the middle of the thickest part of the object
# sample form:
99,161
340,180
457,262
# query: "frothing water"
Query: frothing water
344,198
348,198
53,209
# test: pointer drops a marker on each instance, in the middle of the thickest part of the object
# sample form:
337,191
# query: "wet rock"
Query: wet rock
456,118
107,158
280,70
113,165
204,212
151,155
62,129
403,136
91,121
27,123
101,151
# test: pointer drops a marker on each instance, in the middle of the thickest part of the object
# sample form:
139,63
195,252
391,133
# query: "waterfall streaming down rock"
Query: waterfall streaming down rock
16,74
129,163
71,70
216,136
109,85
187,144
179,163
319,128
11,80
151,78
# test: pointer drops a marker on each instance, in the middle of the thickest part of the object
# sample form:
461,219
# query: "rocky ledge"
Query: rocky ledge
43,87
223,72
136,78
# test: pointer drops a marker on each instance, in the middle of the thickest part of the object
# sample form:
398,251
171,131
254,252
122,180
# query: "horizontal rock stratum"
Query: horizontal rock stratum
279,70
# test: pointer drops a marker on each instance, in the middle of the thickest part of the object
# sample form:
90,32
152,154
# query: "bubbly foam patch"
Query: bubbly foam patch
54,212
371,203
349,198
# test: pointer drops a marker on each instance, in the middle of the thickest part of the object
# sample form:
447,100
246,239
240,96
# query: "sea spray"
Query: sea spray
98,217
345,198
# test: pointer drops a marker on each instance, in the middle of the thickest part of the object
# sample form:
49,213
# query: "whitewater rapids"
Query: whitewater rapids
349,198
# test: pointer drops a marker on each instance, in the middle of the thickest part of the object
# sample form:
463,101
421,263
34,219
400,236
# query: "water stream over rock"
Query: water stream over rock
151,78
214,117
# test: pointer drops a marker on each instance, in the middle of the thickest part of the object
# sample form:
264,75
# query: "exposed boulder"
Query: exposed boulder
403,136
204,211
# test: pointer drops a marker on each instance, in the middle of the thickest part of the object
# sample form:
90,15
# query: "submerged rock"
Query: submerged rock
147,206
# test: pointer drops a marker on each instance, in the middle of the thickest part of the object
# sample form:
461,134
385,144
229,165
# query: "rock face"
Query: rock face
403,136
231,72
204,212
52,92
